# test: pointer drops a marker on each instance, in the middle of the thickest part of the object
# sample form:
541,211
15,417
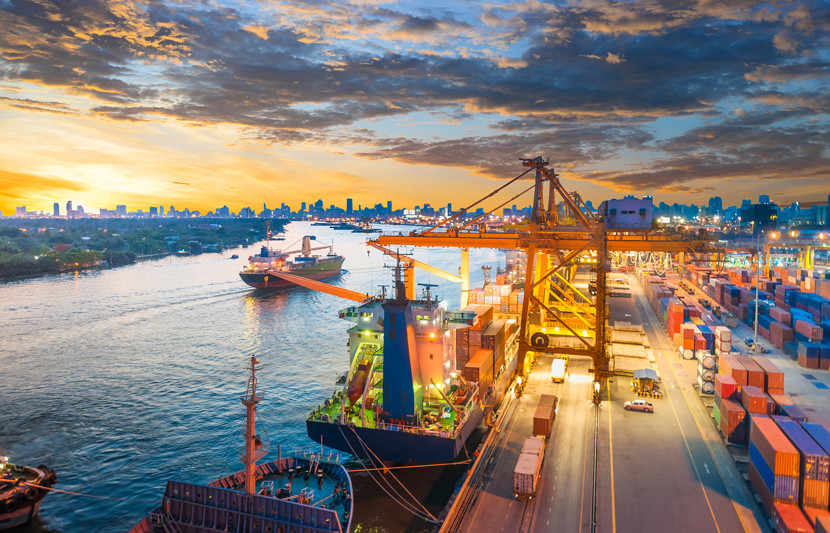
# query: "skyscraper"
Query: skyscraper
68,207
763,199
349,206
715,205
389,207
56,209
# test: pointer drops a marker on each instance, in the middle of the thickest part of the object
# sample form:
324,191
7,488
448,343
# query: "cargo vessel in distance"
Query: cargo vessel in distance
263,269
411,395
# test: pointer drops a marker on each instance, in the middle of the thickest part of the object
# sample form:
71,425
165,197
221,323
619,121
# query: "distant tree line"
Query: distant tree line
40,246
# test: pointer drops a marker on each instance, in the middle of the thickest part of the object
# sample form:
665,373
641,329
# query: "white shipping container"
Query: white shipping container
533,445
526,475
706,387
723,333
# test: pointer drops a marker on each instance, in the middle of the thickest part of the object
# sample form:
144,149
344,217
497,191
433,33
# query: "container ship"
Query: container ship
420,380
263,269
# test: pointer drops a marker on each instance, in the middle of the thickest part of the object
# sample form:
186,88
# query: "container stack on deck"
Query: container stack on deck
505,298
468,342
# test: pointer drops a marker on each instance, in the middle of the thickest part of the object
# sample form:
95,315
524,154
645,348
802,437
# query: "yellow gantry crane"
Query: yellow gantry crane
558,236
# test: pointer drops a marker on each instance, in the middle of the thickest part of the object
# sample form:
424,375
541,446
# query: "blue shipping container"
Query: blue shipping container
815,463
808,349
793,412
819,433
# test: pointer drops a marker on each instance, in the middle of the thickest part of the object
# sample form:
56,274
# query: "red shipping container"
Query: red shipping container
809,330
776,449
733,422
821,521
754,399
813,514
773,377
754,373
700,342
542,421
789,519
688,331
731,366
779,315
726,386
808,362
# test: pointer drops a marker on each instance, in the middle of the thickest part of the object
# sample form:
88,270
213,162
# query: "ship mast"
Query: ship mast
249,400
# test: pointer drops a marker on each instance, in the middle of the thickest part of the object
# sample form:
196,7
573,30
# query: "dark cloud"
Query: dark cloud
591,81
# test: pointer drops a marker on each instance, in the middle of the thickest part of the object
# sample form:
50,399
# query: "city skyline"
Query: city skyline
201,104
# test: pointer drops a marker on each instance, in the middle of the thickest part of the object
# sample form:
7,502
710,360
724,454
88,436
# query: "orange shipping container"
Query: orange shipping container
773,377
754,373
776,449
730,365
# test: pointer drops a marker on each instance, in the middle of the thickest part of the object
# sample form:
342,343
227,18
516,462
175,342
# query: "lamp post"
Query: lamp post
757,276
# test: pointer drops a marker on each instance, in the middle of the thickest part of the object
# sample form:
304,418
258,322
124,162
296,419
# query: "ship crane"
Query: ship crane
560,234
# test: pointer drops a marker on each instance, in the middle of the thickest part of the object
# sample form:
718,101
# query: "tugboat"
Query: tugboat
262,269
22,489
307,491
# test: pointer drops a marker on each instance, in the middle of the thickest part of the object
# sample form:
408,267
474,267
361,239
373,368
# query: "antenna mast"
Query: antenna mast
252,441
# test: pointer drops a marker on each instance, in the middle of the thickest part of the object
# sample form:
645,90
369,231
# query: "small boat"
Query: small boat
305,491
235,256
22,489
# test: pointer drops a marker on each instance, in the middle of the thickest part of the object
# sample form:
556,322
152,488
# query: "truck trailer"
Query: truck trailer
528,468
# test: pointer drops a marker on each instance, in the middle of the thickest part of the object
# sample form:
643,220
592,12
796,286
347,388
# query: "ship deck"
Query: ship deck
443,416
284,489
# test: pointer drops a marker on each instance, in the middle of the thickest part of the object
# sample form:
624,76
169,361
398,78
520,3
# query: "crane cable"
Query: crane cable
400,502
366,447
41,487
406,505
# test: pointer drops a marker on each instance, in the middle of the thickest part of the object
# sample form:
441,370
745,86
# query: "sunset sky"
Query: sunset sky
199,104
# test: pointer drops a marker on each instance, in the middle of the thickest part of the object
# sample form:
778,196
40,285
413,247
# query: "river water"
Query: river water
122,379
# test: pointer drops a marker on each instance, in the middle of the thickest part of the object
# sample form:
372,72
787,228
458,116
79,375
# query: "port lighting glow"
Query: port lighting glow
432,335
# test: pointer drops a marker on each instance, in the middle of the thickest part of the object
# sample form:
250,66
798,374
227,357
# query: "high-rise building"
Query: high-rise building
154,211
302,207
121,210
161,210
715,205
763,199
56,209
349,206
389,207
68,207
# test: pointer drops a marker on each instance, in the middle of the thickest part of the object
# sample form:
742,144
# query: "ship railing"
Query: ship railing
315,453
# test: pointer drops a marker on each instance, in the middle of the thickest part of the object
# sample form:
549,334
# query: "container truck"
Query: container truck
557,370
528,468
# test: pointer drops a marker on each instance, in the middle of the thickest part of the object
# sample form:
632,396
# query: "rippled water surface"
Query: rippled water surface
122,379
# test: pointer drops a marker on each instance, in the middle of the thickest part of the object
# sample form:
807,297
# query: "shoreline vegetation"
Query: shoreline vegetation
30,248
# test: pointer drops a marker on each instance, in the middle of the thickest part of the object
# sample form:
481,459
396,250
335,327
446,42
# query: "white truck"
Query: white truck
557,370
528,468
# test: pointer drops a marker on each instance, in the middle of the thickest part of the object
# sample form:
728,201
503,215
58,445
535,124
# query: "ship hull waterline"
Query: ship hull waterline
258,280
